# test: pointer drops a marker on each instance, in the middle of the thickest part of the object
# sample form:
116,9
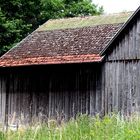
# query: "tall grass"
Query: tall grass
111,127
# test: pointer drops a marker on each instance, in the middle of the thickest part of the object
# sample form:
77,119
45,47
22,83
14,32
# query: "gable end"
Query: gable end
121,33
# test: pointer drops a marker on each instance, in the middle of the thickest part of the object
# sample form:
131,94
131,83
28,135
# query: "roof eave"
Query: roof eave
59,60
28,65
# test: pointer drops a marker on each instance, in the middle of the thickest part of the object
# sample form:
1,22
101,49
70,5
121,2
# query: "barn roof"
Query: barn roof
72,40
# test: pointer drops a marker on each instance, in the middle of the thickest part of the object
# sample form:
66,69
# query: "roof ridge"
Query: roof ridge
78,27
124,12
84,21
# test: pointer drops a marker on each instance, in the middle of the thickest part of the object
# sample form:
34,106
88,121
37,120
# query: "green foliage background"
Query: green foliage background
20,17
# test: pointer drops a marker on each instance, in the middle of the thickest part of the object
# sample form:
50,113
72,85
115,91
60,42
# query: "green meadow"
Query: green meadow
111,127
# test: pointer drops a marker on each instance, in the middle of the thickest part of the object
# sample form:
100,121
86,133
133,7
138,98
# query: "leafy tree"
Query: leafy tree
17,19
81,8
69,8
9,32
20,17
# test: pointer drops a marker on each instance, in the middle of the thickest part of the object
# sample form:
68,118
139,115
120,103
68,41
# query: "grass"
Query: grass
79,22
82,128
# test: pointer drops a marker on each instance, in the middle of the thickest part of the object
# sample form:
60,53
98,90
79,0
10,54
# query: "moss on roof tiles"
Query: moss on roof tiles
79,22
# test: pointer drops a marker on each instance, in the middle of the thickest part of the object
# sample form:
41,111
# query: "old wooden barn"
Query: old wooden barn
85,65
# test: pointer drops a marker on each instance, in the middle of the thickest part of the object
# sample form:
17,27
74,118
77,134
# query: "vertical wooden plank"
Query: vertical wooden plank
92,95
135,95
109,98
97,94
133,45
138,85
106,88
138,37
123,87
130,88
103,90
99,89
50,97
0,99
120,85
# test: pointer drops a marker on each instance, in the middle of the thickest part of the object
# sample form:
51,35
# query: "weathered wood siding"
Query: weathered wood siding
127,47
121,84
37,93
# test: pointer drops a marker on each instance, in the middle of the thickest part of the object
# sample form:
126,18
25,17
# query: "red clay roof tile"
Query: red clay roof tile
51,60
